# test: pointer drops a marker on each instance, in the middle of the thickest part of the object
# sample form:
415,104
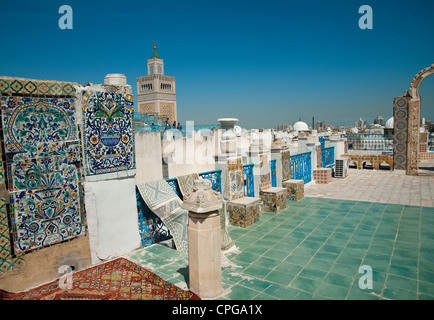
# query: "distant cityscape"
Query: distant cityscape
379,125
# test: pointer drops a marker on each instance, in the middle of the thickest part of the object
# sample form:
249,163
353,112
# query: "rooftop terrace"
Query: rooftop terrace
314,248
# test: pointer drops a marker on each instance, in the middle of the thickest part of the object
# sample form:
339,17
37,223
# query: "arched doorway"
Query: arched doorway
406,113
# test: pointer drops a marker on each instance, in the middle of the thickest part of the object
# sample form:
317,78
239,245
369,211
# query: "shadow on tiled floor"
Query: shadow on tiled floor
314,249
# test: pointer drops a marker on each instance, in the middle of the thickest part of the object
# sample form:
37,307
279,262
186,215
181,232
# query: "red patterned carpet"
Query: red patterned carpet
119,279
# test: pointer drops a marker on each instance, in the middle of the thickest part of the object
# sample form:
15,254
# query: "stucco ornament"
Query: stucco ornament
203,199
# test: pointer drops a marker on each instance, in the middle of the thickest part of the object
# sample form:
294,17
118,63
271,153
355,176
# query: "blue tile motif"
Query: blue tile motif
43,171
108,134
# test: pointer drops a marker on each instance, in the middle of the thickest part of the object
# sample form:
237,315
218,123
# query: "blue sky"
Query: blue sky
264,62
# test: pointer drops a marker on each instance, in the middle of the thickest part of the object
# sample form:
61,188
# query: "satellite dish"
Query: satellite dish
237,129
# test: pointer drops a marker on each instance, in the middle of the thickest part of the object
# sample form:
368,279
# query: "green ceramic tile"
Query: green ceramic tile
298,235
256,250
406,253
303,251
339,280
264,243
264,296
280,277
426,276
353,253
345,270
352,261
276,254
326,256
281,292
353,244
288,268
247,257
314,274
403,271
305,284
297,259
404,262
427,257
239,292
380,250
400,282
358,295
266,262
255,284
317,238
426,288
332,249
399,294
332,291
257,271
320,264
311,244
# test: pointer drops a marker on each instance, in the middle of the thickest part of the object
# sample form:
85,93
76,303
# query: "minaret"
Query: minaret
156,92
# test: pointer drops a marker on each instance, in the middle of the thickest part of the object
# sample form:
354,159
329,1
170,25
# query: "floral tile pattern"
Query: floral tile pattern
108,134
43,170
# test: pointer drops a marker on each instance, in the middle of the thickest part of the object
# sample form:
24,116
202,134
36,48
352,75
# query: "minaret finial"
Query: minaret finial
155,45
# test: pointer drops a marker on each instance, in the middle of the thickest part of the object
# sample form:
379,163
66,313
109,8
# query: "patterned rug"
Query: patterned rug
165,203
119,279
186,184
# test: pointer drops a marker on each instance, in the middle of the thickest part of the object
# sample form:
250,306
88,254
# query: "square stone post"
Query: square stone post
277,147
204,240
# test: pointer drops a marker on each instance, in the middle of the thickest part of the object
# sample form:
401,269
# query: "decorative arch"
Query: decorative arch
406,113
417,80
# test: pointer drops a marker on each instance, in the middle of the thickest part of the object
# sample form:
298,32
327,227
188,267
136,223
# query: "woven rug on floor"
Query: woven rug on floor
119,279
186,184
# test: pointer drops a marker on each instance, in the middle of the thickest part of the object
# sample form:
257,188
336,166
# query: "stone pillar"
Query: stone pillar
204,240
258,149
400,129
334,142
277,147
413,136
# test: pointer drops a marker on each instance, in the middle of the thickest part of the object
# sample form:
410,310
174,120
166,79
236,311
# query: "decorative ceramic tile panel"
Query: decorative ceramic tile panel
243,214
294,189
43,166
400,128
318,156
286,165
235,179
36,87
274,199
7,261
108,135
264,169
34,126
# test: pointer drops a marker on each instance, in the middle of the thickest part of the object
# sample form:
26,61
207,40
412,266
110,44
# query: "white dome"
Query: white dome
300,126
389,124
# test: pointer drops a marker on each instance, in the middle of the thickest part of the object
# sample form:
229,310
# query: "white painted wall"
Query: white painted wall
148,157
189,155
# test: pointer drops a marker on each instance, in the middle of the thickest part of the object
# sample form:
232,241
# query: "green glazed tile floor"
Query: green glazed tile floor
314,249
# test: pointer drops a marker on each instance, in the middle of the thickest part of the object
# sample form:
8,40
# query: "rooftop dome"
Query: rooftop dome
300,126
389,123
